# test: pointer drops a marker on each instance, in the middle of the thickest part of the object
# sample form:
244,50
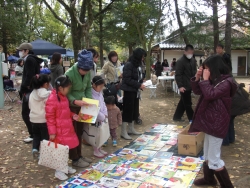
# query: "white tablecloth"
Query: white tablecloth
165,78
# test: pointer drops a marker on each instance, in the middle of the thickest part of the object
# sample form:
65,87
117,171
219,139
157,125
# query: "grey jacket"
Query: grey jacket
56,71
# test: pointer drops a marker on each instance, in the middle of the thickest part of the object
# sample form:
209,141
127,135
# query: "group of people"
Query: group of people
51,103
159,67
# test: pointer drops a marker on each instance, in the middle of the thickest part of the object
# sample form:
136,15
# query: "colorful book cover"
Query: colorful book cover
103,167
192,160
161,161
154,147
88,114
115,160
91,175
149,185
172,141
137,147
148,153
126,151
165,137
136,175
156,180
129,157
149,166
141,158
128,184
165,172
144,138
135,164
183,165
166,148
108,182
163,155
116,173
183,177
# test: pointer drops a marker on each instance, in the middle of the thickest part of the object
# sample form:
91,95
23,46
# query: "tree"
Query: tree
228,29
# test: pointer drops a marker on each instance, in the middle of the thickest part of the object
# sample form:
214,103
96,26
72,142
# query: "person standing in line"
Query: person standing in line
158,69
185,70
56,67
227,59
30,69
93,71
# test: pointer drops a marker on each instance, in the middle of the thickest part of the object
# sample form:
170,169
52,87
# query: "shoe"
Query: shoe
61,176
223,178
180,120
131,129
208,179
35,154
98,154
80,163
71,170
28,140
105,144
103,152
124,133
86,159
114,143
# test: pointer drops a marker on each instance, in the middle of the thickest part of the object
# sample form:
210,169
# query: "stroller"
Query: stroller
111,89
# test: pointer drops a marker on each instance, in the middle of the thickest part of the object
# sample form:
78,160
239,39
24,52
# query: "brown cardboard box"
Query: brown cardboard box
190,144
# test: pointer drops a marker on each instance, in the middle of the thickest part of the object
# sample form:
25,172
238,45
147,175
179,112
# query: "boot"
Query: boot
208,179
124,133
131,129
224,179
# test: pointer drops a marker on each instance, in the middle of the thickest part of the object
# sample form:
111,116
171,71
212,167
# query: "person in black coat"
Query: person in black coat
226,57
165,63
158,68
132,83
30,69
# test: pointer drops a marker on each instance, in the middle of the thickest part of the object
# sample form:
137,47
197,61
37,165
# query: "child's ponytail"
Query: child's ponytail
62,81
39,80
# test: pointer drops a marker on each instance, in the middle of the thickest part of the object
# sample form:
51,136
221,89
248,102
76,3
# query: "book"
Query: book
137,147
166,147
149,185
129,157
163,155
89,113
103,167
165,172
156,180
141,158
149,166
148,153
182,178
144,138
154,147
192,160
128,184
126,151
183,165
136,175
135,164
108,182
91,175
115,160
116,173
161,161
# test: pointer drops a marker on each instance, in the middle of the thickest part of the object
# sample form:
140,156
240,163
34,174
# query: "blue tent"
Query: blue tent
69,53
42,47
12,58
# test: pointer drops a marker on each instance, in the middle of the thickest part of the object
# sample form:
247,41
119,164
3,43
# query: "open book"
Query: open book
88,114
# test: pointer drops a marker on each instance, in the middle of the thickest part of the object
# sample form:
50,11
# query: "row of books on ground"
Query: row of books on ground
146,162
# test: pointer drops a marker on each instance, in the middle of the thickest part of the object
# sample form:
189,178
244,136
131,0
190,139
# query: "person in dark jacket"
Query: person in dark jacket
165,63
185,69
240,105
226,57
30,69
56,67
173,64
158,68
132,83
212,115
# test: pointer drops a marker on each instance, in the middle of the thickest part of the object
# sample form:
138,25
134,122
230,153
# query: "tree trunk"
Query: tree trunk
101,34
182,29
228,30
130,49
215,24
76,37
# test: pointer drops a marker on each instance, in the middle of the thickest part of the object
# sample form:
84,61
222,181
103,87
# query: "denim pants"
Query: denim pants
230,137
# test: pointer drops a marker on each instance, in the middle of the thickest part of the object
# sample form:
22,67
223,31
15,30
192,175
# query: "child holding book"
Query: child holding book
97,87
212,116
38,97
114,117
59,120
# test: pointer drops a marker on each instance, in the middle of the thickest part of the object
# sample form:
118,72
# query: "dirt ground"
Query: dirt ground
19,170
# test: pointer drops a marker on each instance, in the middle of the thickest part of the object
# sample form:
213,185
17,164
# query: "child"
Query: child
114,117
97,87
212,117
38,97
59,119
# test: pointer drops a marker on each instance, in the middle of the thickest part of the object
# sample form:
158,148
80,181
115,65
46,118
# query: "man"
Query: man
185,69
173,64
226,57
30,69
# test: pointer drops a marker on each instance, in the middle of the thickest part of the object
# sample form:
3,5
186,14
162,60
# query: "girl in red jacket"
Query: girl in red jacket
59,119
212,117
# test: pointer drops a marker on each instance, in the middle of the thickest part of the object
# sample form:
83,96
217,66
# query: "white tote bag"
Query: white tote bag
54,156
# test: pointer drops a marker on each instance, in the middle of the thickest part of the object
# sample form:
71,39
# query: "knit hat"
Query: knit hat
85,60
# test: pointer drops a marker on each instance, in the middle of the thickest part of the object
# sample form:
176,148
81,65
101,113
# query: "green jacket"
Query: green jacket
80,87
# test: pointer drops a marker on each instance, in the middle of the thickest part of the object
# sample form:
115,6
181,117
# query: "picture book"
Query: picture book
156,180
172,141
136,175
166,148
144,138
126,151
135,164
165,137
103,167
141,158
149,166
149,185
165,172
115,160
154,147
183,165
192,160
108,182
137,147
184,177
73,182
160,161
88,113
163,155
91,175
129,157
116,173
148,153
128,184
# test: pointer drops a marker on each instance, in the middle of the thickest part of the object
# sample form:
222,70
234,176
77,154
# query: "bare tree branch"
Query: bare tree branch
64,5
108,7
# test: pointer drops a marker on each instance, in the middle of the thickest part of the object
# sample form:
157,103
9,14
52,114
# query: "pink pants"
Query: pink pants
113,134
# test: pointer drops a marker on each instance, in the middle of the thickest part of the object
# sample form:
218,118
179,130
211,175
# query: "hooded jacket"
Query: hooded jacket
56,71
110,72
37,100
212,113
30,69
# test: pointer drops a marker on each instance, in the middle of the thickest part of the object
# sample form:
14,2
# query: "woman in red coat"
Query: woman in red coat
212,117
59,119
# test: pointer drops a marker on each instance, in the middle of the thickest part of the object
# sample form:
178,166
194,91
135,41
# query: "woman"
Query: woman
165,63
93,71
131,85
56,67
158,68
212,117
19,67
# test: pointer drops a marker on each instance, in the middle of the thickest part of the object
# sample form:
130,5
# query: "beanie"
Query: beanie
85,60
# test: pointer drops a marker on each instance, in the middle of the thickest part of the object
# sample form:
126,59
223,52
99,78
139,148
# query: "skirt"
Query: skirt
130,107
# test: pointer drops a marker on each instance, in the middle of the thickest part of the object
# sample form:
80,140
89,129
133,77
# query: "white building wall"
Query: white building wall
170,54
234,55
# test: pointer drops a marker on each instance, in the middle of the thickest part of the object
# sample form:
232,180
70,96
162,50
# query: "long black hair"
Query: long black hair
39,79
19,61
217,67
56,57
95,54
98,80
136,57
62,81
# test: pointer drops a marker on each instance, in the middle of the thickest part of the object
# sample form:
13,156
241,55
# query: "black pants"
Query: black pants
40,132
26,115
185,104
130,107
230,137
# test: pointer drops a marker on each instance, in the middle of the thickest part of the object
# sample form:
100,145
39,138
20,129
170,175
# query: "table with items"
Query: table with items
152,160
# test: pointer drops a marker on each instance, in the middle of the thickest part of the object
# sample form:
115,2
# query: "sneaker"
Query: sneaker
61,176
105,144
28,140
71,170
80,163
35,154
103,152
86,159
114,143
98,154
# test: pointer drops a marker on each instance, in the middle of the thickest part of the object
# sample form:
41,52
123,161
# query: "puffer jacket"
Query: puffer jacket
110,72
59,120
212,113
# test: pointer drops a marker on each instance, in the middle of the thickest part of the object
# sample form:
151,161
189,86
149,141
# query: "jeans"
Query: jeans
26,116
230,137
40,132
185,104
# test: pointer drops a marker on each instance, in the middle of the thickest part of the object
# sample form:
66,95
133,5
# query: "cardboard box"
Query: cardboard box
66,63
190,145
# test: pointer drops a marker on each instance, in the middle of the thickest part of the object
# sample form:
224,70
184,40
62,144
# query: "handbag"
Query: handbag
54,155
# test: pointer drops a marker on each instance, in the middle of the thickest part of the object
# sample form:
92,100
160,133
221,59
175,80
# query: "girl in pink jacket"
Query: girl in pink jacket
59,119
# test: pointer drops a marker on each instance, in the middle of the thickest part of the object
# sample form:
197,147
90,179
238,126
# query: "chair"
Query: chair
9,90
153,89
